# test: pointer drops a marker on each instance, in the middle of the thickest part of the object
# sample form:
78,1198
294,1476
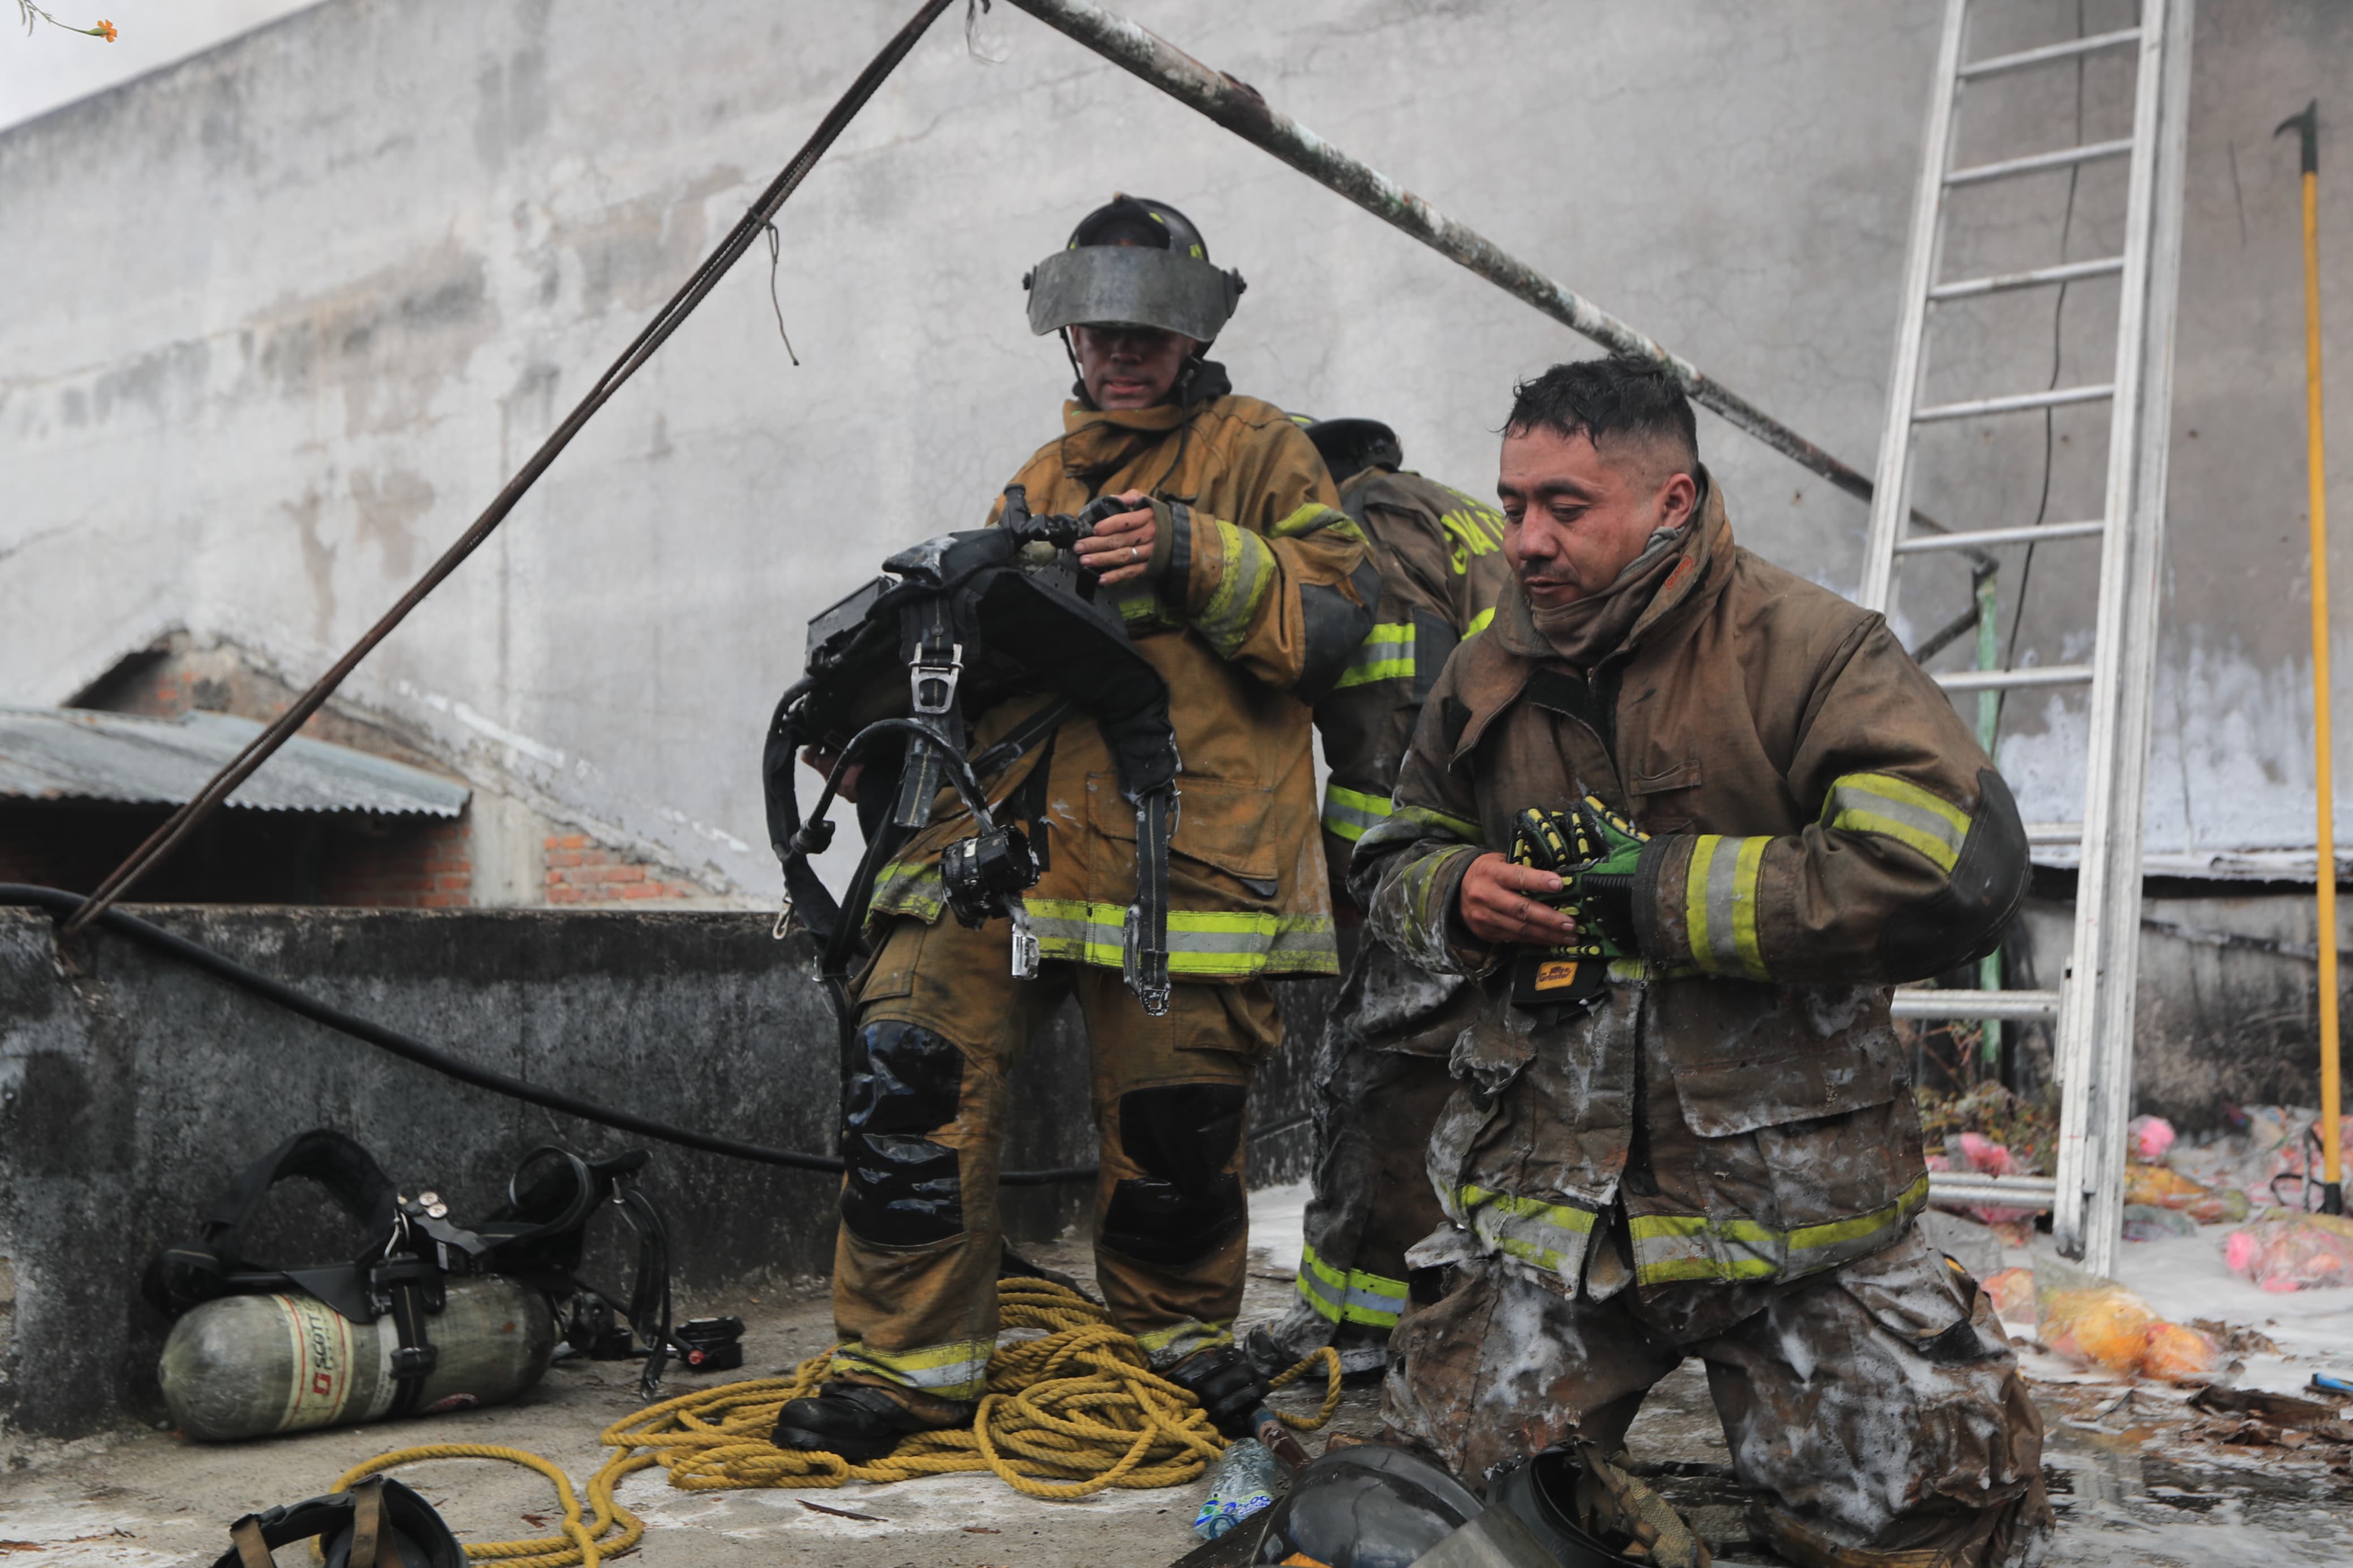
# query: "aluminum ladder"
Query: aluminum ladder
2092,1002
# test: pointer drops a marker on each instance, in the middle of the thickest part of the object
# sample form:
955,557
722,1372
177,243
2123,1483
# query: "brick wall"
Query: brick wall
580,871
424,866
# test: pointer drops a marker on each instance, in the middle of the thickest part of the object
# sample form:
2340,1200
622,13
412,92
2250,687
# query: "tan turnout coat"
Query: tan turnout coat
1250,585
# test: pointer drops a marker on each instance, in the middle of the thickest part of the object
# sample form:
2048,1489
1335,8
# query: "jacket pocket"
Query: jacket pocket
1655,796
1747,1056
1219,823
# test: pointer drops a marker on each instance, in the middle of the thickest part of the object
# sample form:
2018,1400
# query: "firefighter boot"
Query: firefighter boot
862,1421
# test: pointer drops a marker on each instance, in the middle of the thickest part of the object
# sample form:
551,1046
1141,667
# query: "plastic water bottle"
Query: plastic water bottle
1239,1486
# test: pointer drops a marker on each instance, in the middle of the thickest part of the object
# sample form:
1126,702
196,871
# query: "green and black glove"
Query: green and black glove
1593,850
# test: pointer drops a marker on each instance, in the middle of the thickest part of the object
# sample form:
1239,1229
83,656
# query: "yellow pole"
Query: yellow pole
2332,1153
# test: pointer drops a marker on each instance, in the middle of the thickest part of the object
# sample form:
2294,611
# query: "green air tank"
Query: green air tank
245,1367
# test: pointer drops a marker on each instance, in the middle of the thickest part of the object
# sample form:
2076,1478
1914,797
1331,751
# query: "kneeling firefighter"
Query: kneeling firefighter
1209,529
1380,1076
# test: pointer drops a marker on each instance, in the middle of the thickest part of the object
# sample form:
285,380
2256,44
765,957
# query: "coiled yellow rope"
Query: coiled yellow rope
1072,1409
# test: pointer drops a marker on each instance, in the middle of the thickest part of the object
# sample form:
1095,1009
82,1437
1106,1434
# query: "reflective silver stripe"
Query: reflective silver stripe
1349,813
1200,941
1878,802
1386,655
955,1370
1356,1296
1248,570
1674,1248
1551,1235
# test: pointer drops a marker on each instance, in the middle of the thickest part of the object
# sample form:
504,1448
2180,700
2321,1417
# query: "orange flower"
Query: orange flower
103,30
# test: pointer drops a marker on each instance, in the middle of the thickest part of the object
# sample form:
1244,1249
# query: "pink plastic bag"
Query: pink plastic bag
2284,1250
2150,1137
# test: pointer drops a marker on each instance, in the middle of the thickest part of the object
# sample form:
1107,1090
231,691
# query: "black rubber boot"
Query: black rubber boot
1222,1380
860,1422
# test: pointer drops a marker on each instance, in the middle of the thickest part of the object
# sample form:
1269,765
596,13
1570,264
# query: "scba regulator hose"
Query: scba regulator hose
408,1048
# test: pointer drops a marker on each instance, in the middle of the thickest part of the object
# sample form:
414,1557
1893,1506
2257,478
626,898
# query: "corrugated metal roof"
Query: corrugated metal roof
73,754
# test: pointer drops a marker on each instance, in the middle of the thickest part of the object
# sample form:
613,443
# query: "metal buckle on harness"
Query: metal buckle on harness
1024,941
932,683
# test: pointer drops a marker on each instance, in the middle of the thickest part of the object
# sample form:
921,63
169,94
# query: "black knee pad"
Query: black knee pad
1186,1203
903,1189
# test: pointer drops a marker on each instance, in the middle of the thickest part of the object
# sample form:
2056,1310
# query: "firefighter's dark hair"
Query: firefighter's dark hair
1619,397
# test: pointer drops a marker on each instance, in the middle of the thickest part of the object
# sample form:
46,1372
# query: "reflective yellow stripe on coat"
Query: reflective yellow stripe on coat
1386,655
1351,814
1551,1235
1894,808
1677,1248
1720,905
1200,941
958,1370
1349,1295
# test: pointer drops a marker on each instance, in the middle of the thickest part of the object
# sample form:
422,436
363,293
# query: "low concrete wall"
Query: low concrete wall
133,1087
2228,998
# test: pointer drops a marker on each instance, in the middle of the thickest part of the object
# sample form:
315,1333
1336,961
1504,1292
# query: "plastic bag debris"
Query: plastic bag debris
2284,1251
2156,1186
2012,1292
2148,1137
2097,1322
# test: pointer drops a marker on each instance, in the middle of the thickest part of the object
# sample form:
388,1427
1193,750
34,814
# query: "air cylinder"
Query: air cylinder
245,1367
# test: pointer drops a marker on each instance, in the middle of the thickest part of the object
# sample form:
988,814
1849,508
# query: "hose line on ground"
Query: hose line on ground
58,900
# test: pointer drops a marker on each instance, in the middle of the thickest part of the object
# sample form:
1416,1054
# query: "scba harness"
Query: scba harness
536,1237
973,619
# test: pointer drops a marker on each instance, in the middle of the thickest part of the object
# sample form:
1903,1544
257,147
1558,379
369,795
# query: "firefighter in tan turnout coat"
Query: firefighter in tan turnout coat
1238,576
1682,1125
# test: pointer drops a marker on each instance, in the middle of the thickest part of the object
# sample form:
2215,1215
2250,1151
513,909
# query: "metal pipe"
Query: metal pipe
2325,863
649,339
1240,109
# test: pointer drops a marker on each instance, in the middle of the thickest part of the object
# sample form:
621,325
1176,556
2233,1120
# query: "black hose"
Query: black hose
60,901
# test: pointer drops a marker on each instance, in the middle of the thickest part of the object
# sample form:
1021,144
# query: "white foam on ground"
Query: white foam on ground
1278,1219
2184,1276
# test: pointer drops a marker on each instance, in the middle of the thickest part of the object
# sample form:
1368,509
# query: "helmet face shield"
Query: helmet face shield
1131,286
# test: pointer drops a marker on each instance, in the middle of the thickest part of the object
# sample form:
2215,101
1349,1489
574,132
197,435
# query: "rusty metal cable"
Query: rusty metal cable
1244,110
642,348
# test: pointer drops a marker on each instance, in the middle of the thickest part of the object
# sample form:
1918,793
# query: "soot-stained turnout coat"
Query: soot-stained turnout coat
1822,827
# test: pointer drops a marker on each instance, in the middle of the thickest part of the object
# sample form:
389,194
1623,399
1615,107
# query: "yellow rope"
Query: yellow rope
1071,1407
580,1544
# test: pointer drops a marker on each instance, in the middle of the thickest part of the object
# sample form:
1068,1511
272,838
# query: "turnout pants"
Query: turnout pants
940,1025
1381,1081
1877,1408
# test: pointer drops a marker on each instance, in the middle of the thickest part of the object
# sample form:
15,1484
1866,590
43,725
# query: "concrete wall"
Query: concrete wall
284,317
133,1087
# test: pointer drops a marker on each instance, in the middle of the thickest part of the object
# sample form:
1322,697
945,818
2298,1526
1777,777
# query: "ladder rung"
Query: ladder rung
2035,278
2036,163
2057,397
1985,536
2020,1004
2049,52
2054,833
1993,1191
2010,680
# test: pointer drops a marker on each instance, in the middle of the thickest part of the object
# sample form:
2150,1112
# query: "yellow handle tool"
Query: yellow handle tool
2332,1151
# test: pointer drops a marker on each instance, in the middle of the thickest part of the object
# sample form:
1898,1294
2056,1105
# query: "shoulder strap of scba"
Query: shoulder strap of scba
537,1238
971,618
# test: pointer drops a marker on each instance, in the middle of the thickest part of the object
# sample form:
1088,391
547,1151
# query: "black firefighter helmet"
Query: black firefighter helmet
1373,1506
1134,262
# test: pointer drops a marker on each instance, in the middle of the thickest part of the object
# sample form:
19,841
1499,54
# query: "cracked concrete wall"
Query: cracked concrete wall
133,1087
286,315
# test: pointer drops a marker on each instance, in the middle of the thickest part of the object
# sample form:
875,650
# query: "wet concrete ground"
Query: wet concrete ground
2130,1489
